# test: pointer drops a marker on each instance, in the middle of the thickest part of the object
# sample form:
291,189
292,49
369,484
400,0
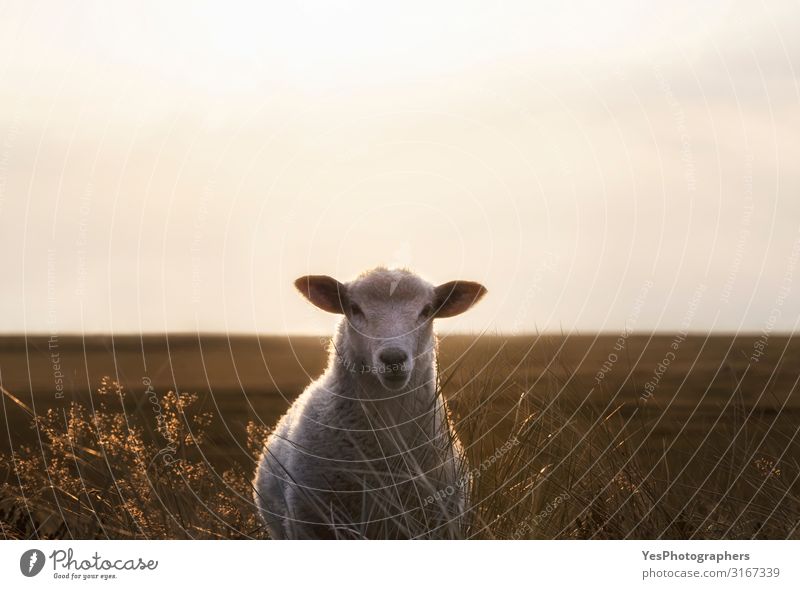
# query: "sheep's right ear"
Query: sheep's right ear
453,298
323,291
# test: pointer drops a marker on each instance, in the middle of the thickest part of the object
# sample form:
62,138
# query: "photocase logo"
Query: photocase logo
31,562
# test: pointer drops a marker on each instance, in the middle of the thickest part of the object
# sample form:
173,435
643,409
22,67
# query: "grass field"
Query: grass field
603,436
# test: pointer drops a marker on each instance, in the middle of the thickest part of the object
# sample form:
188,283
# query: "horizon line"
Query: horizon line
181,333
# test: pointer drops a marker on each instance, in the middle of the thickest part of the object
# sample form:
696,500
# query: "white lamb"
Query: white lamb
368,450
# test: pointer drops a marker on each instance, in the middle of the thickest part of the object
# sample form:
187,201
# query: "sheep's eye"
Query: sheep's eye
356,311
426,312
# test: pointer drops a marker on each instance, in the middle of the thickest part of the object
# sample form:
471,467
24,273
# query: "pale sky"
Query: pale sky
596,165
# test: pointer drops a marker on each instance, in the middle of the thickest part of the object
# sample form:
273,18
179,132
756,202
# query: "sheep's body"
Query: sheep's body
366,453
344,463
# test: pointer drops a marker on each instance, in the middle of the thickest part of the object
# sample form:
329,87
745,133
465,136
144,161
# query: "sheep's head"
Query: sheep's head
389,317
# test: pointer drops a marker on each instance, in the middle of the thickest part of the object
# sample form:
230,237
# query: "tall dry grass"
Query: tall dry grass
544,463
106,472
582,470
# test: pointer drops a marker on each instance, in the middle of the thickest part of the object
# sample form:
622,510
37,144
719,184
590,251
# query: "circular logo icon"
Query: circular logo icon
31,562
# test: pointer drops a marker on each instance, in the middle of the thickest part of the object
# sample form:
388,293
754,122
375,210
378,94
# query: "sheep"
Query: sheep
368,449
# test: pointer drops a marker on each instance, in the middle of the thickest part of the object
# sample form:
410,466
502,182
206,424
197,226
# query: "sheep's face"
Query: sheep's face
389,318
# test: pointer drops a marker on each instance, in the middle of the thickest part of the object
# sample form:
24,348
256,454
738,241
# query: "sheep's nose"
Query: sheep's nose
393,358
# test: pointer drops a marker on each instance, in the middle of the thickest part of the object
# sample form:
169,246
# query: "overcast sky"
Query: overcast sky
598,166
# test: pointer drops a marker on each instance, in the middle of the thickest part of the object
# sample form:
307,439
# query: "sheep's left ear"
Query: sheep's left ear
453,298
323,291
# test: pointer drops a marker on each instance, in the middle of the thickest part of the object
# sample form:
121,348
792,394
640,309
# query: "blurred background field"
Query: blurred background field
249,378
712,452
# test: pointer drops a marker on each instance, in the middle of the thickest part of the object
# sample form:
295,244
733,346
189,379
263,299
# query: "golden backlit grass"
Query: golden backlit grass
101,472
545,464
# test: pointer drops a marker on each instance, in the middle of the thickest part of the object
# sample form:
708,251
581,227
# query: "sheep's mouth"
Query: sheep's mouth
395,375
395,378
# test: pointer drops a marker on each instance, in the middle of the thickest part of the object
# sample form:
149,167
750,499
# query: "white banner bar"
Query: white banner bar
481,564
